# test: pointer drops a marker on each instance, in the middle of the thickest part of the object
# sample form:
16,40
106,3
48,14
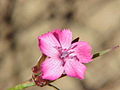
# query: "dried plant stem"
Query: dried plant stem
56,88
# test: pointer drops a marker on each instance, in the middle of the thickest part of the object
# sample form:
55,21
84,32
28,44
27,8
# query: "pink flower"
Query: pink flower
63,56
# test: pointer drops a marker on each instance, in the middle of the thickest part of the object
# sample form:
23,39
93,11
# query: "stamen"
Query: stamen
64,54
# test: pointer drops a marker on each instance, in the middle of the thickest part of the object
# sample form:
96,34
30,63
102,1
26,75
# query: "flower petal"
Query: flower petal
64,36
83,51
48,44
74,68
52,69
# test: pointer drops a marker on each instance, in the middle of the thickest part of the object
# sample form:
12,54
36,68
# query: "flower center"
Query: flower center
64,54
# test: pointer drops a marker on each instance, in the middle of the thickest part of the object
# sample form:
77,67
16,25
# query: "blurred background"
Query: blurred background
94,21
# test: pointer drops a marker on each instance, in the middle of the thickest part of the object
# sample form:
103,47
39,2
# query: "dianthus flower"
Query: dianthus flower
64,56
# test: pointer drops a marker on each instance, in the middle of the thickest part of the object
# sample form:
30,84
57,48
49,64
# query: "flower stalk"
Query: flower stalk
23,85
105,51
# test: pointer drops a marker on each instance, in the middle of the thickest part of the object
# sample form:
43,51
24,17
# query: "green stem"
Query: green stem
105,51
22,86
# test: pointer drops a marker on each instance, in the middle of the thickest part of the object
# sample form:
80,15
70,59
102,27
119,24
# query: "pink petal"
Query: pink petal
64,37
74,68
52,69
56,33
83,51
48,44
